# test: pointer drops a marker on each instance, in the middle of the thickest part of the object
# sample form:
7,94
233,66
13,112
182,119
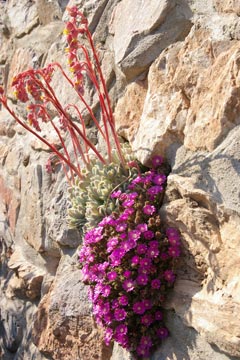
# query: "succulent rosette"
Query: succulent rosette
128,260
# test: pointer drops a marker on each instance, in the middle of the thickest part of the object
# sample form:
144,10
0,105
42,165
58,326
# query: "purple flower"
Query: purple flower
111,244
134,235
148,235
162,332
139,308
159,179
147,319
128,203
116,256
146,341
112,275
128,285
145,262
120,314
143,351
142,279
142,227
155,284
122,339
158,315
147,303
149,209
123,300
164,256
128,245
153,244
121,329
153,252
108,318
121,227
169,276
154,190
172,233
135,260
174,251
142,249
108,336
114,303
157,160
127,274
116,194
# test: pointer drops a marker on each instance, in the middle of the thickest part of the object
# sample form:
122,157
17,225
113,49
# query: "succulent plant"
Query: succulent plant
90,197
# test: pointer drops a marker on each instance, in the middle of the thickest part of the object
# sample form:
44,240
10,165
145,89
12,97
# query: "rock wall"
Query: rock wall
173,71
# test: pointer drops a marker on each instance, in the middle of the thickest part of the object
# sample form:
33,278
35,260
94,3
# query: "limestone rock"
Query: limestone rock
181,104
23,16
228,6
144,37
63,326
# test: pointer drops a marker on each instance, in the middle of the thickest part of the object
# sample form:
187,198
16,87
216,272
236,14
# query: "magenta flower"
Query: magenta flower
121,227
108,318
139,308
147,319
169,276
142,227
123,300
147,303
155,284
128,203
142,351
154,190
135,260
153,244
128,285
172,233
142,249
146,341
116,194
112,275
159,179
153,253
134,235
158,315
162,332
145,262
108,335
142,279
119,314
148,235
157,160
127,274
121,329
149,209
174,251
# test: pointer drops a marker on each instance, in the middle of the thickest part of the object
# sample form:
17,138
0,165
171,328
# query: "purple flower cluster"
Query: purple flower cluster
128,261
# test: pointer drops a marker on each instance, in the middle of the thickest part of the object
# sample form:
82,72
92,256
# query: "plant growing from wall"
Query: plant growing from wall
128,256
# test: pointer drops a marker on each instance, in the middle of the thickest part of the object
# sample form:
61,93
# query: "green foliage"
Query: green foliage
90,197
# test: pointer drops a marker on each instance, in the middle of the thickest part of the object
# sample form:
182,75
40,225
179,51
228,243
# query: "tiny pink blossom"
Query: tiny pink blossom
157,160
149,209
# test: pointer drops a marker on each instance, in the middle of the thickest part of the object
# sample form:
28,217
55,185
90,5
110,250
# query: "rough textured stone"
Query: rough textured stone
181,104
63,326
228,6
184,105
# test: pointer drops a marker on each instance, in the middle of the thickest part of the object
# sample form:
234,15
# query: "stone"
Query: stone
63,324
23,17
228,6
145,37
177,109
129,110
